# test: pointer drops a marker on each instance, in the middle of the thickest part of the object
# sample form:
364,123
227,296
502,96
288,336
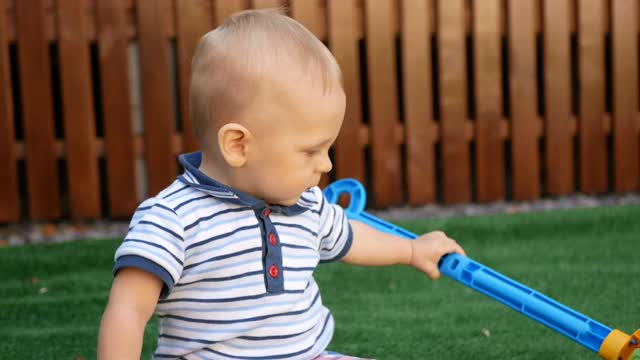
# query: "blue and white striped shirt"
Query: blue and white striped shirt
238,275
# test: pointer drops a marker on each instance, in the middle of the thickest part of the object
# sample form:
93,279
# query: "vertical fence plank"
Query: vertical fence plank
625,94
266,4
486,32
37,109
113,43
10,204
525,126
383,103
156,94
313,15
419,125
593,140
193,18
453,102
79,117
349,156
557,95
224,8
10,20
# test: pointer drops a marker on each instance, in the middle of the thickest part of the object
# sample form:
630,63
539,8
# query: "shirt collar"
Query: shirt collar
193,177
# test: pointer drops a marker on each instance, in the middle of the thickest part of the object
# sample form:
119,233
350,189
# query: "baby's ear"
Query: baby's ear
233,140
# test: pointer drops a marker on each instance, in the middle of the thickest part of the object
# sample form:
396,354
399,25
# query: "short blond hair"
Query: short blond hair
250,46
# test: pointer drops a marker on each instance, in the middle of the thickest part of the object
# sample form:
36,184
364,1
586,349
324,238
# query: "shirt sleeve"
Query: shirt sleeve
335,231
154,243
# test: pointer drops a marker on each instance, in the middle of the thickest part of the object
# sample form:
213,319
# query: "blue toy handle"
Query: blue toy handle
576,326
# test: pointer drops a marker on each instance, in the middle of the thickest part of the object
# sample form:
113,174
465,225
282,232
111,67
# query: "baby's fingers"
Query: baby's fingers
432,271
456,248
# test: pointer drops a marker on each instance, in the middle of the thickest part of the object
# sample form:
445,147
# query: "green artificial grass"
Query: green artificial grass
585,259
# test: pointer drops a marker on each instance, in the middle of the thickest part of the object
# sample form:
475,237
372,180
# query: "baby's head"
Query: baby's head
266,102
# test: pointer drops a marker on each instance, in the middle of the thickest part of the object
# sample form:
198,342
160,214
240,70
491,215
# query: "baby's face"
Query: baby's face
292,152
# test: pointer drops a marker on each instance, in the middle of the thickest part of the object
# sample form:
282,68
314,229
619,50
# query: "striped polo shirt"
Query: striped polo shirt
237,273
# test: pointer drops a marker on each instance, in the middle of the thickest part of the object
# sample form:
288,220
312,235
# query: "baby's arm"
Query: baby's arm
133,298
372,247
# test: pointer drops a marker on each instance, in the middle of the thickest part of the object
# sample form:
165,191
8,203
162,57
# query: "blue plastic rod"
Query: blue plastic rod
574,325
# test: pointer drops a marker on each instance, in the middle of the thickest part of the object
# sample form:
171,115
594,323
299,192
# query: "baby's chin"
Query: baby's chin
286,202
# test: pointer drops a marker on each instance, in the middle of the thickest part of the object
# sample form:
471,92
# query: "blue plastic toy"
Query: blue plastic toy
610,344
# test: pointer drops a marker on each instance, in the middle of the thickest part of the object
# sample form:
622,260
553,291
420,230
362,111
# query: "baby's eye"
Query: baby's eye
311,152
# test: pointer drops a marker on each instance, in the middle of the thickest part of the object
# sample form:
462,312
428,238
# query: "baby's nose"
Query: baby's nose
325,165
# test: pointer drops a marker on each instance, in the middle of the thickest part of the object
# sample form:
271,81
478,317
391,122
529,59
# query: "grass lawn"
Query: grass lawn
588,260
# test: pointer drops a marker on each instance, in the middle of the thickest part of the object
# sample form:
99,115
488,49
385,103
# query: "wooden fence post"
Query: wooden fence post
525,126
153,20
10,205
624,15
593,140
489,124
37,110
79,116
420,129
113,45
343,40
193,19
456,168
383,103
558,125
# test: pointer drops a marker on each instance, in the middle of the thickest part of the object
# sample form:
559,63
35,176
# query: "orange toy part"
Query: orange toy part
619,346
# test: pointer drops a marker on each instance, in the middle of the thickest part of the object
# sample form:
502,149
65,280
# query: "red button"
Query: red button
272,239
266,212
273,271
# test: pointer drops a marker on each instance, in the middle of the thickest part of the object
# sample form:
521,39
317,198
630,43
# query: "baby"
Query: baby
225,255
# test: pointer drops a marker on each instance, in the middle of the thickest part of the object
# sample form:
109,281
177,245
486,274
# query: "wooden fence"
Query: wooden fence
451,101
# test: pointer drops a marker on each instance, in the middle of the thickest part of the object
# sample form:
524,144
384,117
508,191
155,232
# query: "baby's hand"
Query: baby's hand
427,250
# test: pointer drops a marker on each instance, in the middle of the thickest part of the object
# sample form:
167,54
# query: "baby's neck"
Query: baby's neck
209,167
222,173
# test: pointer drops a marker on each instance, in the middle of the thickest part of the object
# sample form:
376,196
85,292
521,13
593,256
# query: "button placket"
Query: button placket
272,253
273,271
273,239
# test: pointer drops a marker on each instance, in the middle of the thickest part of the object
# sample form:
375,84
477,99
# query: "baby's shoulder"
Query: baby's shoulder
312,198
166,201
